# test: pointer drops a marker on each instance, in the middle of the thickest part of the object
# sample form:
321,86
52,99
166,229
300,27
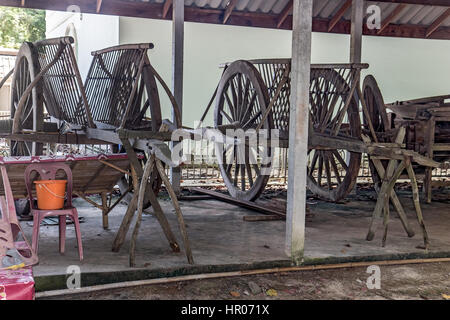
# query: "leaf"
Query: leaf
235,294
272,293
446,296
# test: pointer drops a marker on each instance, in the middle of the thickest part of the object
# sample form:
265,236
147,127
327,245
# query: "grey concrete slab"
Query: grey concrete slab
219,236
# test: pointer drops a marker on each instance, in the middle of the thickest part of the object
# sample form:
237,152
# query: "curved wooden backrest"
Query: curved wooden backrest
115,85
63,90
113,93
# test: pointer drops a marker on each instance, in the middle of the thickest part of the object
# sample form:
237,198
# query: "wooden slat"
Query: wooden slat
444,3
339,14
438,22
242,203
285,13
166,8
229,10
394,14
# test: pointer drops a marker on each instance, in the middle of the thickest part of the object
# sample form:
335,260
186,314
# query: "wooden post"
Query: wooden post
356,31
298,129
430,130
177,74
105,211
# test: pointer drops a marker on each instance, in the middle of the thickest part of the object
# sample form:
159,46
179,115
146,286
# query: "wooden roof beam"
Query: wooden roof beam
229,9
339,14
151,10
285,13
394,14
166,8
99,5
438,22
443,3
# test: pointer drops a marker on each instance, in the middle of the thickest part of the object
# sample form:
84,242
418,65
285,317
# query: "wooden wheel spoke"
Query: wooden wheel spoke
230,103
341,161
319,172
226,116
334,167
242,177
328,171
251,120
313,163
234,94
243,107
249,108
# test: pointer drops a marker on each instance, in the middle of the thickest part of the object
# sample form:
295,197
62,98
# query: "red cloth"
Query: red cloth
17,284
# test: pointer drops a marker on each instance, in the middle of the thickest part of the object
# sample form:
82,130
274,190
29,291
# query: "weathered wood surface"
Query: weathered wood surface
242,203
83,179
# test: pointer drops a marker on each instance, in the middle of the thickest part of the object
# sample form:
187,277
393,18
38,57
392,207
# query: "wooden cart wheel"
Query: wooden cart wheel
378,116
242,98
332,173
30,118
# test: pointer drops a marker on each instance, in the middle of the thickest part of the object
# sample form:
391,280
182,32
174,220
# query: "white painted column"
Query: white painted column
298,129
356,31
177,73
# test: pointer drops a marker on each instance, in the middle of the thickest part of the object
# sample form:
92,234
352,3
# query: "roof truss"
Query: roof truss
240,18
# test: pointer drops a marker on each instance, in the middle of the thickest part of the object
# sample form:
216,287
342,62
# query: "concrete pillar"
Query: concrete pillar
177,73
298,129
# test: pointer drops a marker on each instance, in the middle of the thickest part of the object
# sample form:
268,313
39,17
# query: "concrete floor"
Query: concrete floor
219,236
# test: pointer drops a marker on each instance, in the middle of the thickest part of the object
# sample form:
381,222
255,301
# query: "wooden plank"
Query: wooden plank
339,14
229,10
261,218
241,203
444,3
438,22
285,13
394,14
46,137
103,135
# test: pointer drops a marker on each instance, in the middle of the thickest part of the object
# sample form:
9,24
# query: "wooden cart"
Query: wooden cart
110,107
256,95
427,123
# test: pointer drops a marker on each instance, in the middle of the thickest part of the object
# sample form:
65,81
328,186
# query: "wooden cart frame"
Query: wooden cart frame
109,108
256,95
427,123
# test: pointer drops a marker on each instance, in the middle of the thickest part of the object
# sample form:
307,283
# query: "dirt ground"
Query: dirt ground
414,281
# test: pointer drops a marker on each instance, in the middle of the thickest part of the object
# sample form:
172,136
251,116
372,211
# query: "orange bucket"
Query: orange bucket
50,194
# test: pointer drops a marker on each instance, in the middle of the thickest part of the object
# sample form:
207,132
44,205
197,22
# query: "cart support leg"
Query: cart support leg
427,184
298,129
125,225
105,211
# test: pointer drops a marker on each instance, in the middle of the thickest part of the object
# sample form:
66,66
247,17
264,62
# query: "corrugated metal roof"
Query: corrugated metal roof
412,14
